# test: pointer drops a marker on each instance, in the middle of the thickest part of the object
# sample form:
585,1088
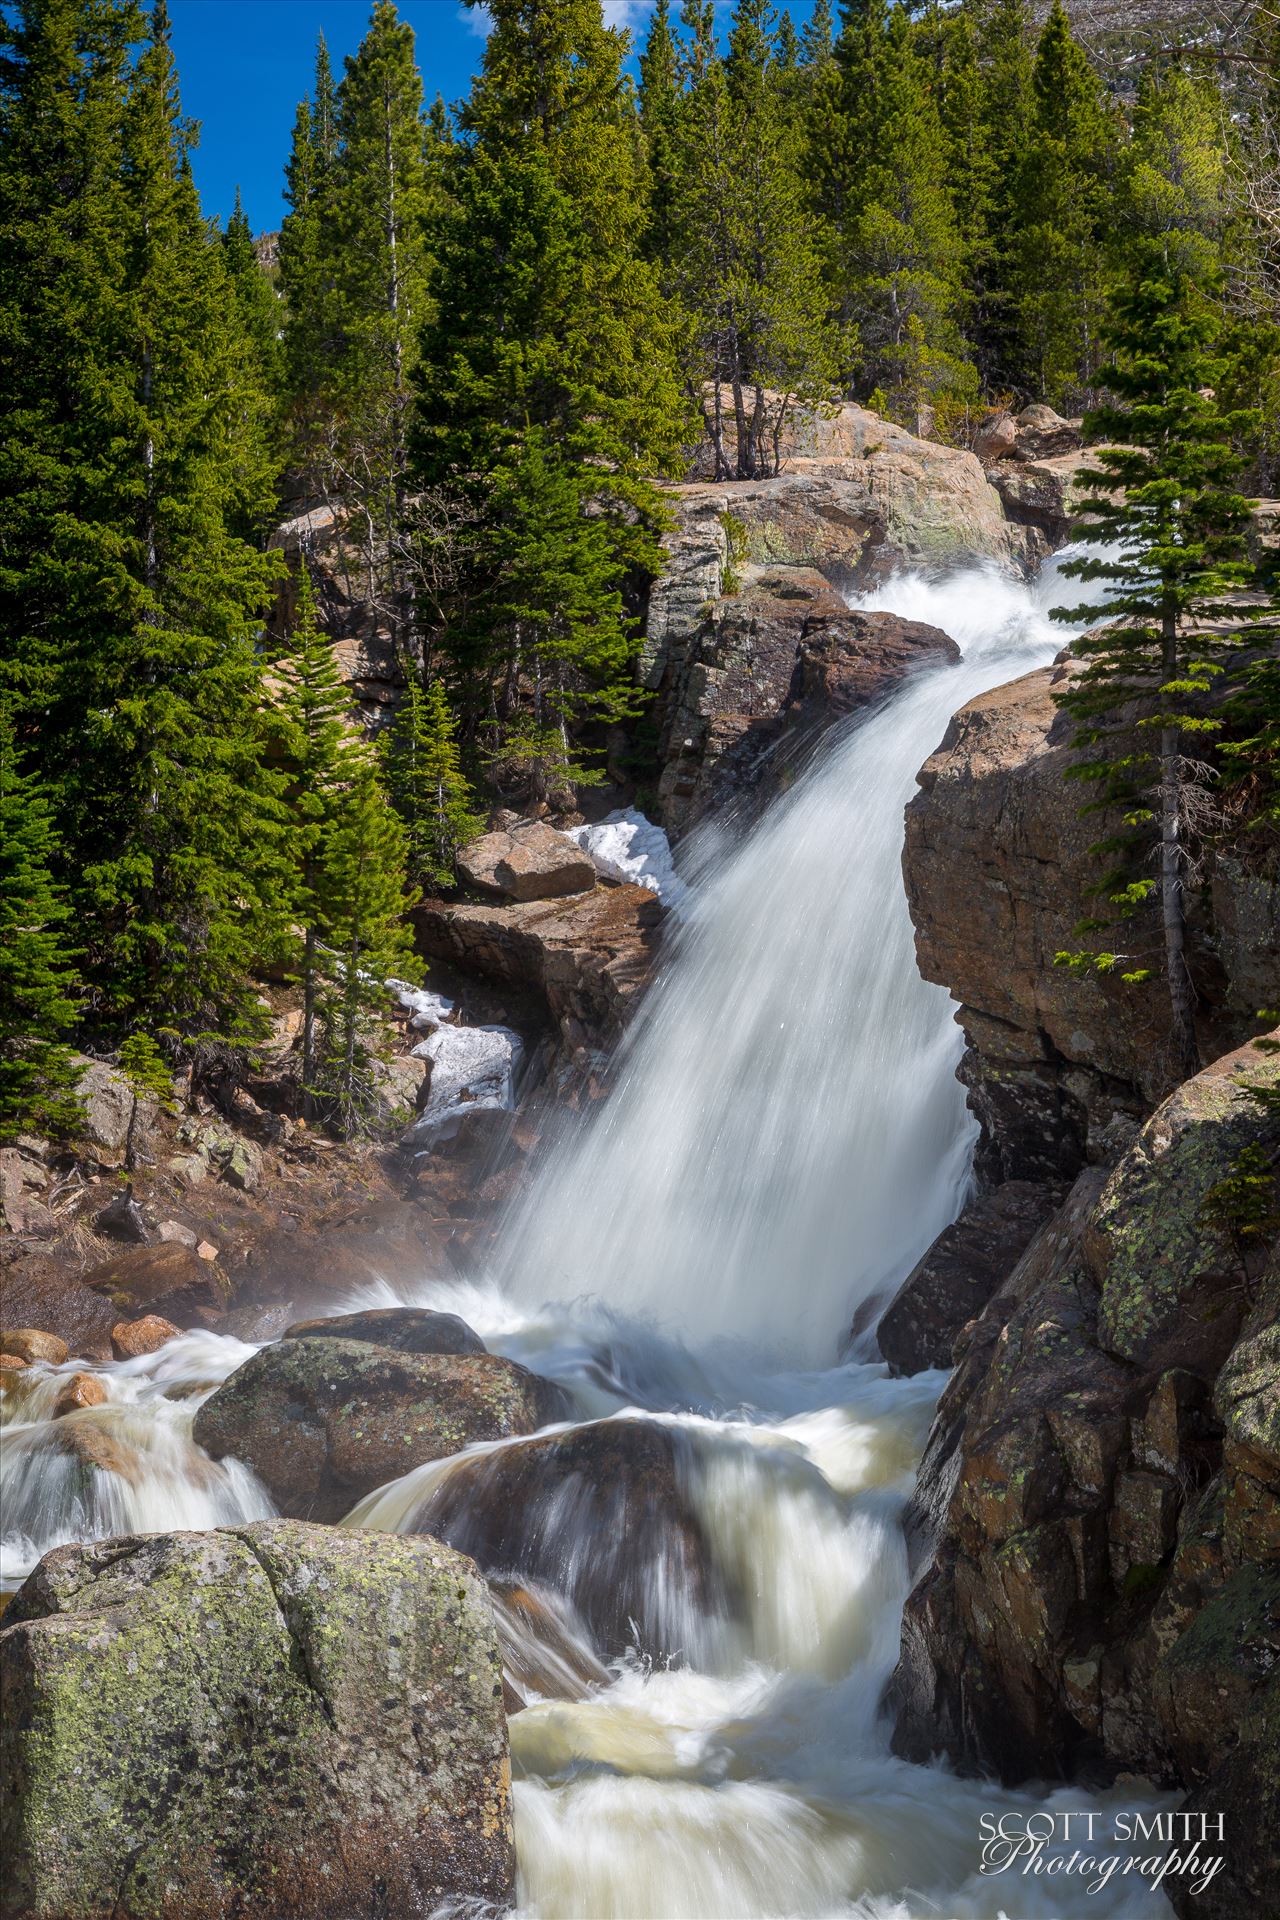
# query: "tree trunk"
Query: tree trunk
1173,861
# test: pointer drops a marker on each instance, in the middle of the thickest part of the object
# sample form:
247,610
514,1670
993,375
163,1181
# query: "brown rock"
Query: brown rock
94,1447
996,438
530,861
585,957
322,1422
545,1648
598,1515
1042,433
963,1268
168,1270
12,1362
131,1338
173,1230
81,1390
36,1290
402,1329
30,1344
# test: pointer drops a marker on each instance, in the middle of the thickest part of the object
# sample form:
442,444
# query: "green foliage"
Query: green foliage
427,786
1244,1206
39,999
132,454
736,548
1163,507
745,267
361,898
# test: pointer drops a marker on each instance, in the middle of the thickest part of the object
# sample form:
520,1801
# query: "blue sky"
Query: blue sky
245,64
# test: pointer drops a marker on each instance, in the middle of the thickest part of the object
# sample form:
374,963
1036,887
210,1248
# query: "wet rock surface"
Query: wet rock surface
599,1516
403,1329
275,1719
966,1264
323,1422
1104,1481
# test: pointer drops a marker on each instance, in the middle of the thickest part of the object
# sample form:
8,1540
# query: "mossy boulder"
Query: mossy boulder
324,1422
1172,1291
403,1329
274,1719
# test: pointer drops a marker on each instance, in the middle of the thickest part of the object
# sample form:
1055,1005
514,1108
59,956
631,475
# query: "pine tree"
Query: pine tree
255,298
134,447
1165,507
1061,219
38,994
424,777
879,158
316,745
313,338
659,104
746,267
817,37
548,356
363,901
1002,39
146,1074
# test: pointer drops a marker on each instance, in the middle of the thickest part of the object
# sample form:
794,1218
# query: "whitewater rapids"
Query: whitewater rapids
784,1139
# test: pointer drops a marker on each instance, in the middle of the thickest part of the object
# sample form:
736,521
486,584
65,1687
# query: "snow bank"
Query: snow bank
427,1009
470,1067
627,846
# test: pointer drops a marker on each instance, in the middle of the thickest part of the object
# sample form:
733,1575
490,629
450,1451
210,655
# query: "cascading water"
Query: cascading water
786,1133
785,1137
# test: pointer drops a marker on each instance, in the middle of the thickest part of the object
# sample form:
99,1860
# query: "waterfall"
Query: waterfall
785,1137
786,1134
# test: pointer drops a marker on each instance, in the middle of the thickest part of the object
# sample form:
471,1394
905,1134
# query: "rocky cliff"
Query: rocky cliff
1104,1481
1060,1066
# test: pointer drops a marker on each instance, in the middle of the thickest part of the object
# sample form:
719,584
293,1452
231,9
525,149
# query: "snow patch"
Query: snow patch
470,1067
427,1009
627,846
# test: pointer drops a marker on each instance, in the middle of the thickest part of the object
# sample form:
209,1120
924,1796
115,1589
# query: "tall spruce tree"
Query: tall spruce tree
312,343
256,302
879,159
746,267
1002,35
133,445
39,1000
1061,217
424,777
659,104
1164,506
548,359
363,901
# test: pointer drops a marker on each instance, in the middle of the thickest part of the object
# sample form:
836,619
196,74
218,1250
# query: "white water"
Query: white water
786,1134
785,1138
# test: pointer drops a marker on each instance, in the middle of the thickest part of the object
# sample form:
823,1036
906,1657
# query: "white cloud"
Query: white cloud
617,13
477,20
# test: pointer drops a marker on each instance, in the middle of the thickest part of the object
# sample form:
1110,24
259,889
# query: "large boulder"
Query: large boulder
323,1422
585,958
1103,1480
783,654
107,1108
37,1291
276,1719
402,1329
529,861
167,1271
954,1280
1000,870
598,1514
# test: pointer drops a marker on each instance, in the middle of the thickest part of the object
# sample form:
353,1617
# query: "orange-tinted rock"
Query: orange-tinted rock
11,1362
168,1271
31,1344
81,1390
130,1338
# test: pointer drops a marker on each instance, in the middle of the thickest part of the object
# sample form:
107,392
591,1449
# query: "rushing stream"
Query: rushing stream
785,1137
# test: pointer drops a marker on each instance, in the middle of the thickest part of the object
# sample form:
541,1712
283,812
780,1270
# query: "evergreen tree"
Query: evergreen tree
145,1072
133,448
659,103
38,996
817,37
746,267
1164,506
1002,37
316,744
313,338
256,303
1061,217
363,901
880,160
427,786
547,359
